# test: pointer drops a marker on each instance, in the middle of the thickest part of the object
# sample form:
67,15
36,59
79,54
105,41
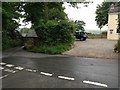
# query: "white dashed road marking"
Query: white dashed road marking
47,74
19,68
67,78
10,65
95,83
30,70
1,68
3,76
2,63
9,70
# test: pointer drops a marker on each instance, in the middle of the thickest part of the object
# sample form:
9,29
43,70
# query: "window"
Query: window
111,30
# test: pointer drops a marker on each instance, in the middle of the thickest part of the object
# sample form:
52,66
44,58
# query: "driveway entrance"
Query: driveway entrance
96,48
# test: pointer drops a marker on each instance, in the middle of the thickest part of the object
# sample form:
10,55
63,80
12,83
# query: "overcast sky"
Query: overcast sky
86,14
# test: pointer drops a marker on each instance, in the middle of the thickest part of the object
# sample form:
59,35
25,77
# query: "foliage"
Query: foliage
102,13
7,42
10,37
29,44
53,33
24,30
117,46
80,25
56,49
118,29
41,12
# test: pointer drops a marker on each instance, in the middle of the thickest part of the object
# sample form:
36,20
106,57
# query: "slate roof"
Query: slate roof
114,10
31,33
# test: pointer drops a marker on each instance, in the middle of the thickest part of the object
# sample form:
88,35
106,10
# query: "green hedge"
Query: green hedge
8,42
53,33
54,37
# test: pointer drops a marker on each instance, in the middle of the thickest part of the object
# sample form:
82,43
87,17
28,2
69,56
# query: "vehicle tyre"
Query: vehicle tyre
82,39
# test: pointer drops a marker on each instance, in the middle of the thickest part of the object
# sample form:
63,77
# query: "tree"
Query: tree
102,13
9,14
41,12
80,25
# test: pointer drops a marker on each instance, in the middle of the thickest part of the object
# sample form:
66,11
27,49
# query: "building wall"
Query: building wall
112,26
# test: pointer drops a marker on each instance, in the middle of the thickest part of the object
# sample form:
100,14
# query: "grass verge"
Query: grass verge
56,49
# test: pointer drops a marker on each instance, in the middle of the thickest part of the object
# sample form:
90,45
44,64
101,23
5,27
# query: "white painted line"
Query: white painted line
47,74
67,78
34,70
3,76
10,65
2,63
29,70
9,70
1,68
95,83
19,68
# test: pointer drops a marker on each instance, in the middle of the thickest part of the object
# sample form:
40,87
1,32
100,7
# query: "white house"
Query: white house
112,33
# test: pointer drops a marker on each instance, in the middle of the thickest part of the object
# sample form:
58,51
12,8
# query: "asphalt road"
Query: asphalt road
58,72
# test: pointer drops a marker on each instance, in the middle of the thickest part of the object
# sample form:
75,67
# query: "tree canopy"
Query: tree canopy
80,25
9,34
102,13
46,17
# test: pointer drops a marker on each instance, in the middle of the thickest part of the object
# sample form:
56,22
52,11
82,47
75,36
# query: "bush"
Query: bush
8,42
53,33
117,47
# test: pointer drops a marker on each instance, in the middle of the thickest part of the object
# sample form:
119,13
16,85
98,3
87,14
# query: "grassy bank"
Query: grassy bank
56,49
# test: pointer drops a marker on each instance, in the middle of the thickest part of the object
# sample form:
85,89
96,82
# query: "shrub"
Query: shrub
55,37
8,42
29,43
53,33
117,46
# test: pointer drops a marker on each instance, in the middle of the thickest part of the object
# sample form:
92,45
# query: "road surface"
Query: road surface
58,72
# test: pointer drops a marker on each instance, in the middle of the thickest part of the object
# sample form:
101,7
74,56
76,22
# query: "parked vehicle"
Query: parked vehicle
81,35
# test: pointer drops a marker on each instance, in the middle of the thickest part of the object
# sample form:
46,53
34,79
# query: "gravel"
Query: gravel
94,48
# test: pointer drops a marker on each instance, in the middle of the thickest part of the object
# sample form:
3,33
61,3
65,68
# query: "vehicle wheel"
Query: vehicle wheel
84,39
81,39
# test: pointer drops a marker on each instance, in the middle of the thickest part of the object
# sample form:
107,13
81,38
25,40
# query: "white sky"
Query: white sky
86,14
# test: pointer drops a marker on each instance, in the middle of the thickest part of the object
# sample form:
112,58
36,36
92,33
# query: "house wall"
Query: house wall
112,26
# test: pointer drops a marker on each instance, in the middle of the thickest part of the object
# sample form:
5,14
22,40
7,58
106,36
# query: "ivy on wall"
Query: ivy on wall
118,29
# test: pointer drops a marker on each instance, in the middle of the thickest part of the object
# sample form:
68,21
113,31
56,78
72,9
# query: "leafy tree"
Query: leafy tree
80,25
102,13
9,14
41,12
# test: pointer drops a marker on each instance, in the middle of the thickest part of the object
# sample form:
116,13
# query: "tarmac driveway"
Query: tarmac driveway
95,48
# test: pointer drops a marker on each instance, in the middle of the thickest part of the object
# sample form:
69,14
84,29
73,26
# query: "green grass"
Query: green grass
96,36
57,49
